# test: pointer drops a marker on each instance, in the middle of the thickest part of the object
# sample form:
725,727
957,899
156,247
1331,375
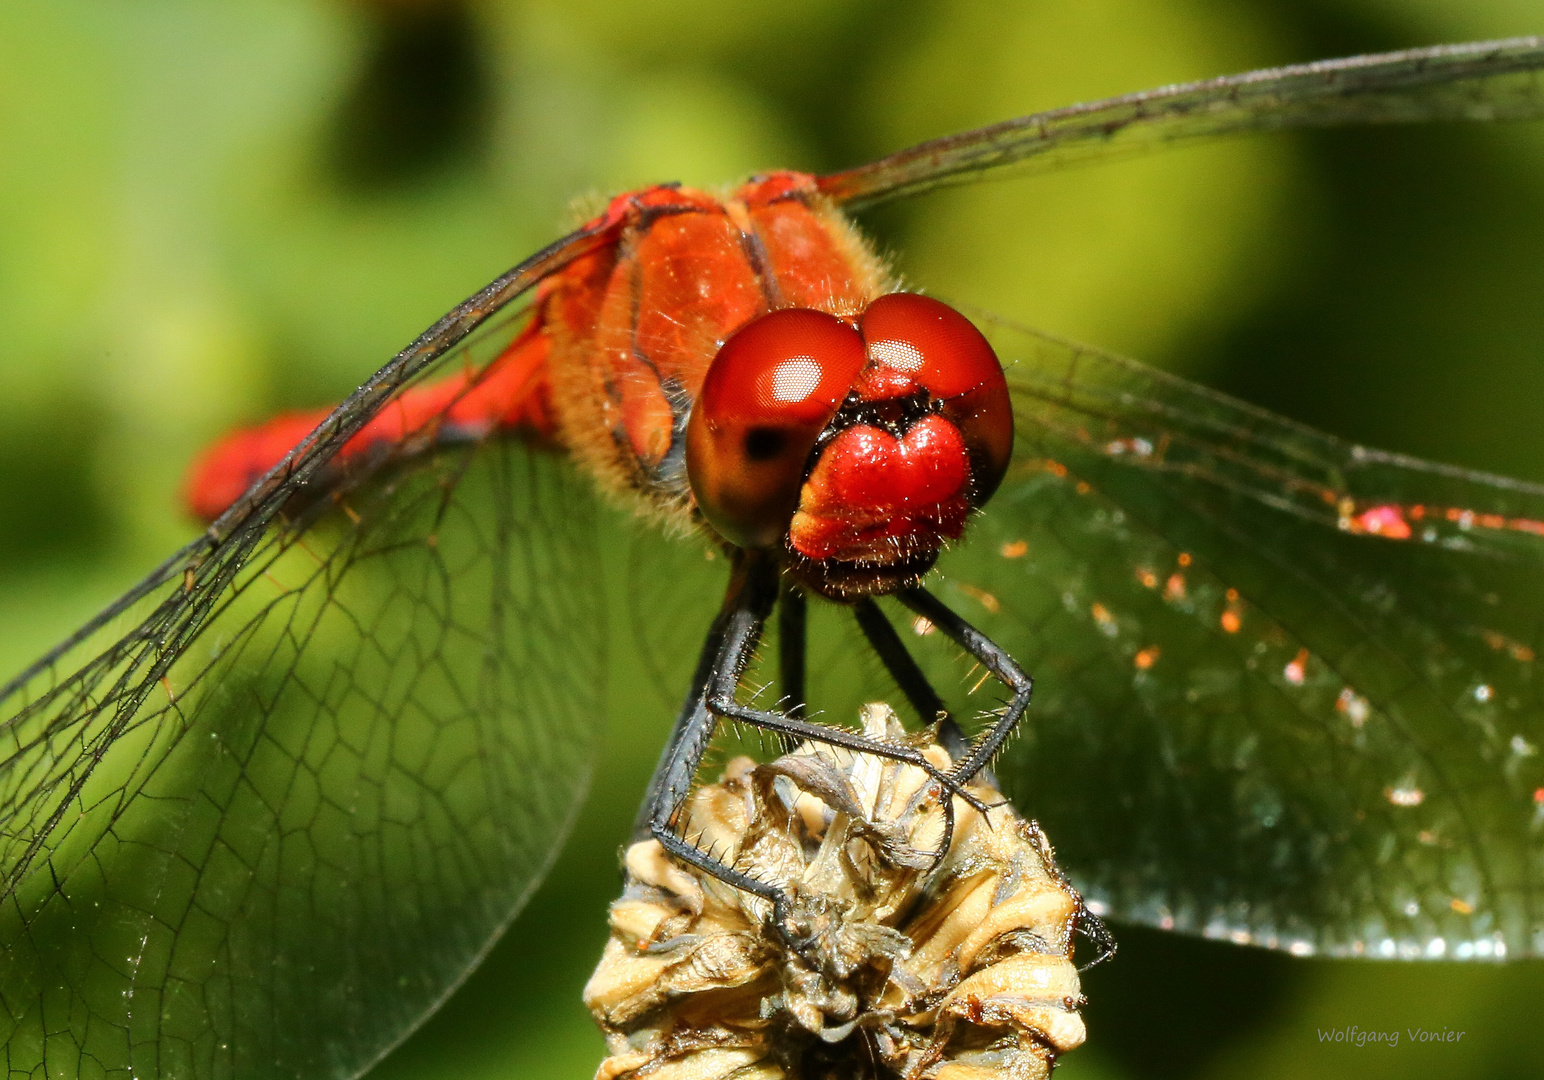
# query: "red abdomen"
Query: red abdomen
510,395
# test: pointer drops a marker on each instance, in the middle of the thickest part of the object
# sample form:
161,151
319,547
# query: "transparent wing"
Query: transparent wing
1477,81
1288,689
266,811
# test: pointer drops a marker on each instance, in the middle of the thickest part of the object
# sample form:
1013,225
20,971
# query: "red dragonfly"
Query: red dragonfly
262,812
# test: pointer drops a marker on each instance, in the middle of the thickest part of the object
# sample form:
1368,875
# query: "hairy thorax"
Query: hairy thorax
635,324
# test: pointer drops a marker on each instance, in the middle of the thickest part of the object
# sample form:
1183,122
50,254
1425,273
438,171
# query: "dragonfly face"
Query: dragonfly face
336,726
856,450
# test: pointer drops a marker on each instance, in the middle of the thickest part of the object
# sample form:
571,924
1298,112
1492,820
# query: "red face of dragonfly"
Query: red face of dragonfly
858,447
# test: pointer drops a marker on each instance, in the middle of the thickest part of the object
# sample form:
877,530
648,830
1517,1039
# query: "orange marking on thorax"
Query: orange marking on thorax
690,270
817,262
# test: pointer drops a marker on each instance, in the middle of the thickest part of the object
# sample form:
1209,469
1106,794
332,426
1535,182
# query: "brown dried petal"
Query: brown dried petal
915,963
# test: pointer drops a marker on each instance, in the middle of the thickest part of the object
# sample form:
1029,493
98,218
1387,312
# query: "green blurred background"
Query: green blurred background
209,211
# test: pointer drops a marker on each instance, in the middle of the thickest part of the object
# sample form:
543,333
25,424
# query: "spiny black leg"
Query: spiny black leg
753,591
732,639
791,648
692,714
909,677
721,701
990,656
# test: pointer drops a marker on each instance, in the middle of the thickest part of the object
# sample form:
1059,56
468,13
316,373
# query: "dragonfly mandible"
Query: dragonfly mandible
264,810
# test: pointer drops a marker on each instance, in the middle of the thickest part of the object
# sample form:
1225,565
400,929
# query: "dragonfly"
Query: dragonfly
263,812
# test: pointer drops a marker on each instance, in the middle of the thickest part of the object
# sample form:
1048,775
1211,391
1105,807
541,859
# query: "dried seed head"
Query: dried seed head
901,963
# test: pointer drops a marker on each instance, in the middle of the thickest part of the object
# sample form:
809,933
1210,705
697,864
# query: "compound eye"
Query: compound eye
772,388
943,352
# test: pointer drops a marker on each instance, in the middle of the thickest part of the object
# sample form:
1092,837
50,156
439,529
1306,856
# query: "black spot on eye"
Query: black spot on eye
764,444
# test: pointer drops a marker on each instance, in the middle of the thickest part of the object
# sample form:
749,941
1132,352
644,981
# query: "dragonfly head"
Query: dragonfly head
859,448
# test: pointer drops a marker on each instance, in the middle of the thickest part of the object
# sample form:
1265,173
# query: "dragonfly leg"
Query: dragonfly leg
892,652
992,657
688,720
792,647
975,760
725,680
730,642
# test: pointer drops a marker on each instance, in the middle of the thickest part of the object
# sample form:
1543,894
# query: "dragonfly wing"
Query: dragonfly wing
1478,81
260,818
1288,689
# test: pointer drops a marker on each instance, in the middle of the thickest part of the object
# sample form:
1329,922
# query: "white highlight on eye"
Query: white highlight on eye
901,355
795,379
